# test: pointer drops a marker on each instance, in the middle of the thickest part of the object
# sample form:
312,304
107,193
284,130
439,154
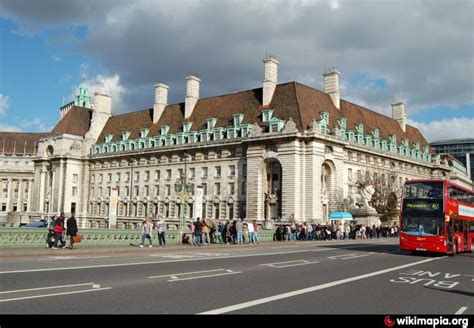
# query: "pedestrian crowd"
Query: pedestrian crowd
311,231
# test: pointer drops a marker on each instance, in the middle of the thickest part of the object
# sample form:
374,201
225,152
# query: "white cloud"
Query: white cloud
109,85
454,128
4,103
9,128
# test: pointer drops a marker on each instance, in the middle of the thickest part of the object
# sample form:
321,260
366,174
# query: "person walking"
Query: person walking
71,230
161,228
146,232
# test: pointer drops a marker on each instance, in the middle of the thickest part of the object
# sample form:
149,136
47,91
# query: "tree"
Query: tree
385,199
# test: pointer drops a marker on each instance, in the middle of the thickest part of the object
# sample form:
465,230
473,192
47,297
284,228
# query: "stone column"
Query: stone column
9,194
42,190
20,196
30,191
60,205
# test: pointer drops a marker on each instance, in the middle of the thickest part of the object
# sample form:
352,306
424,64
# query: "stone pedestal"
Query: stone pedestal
366,216
268,224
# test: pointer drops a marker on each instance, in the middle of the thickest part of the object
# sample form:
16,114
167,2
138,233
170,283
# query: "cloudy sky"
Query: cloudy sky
418,51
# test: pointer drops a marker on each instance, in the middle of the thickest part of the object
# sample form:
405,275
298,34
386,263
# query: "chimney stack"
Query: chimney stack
192,94
102,103
270,78
331,85
161,101
398,113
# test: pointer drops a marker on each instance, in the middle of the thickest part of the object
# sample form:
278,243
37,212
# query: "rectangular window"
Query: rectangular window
217,189
192,172
135,192
109,177
100,192
244,170
93,178
231,188
157,175
147,175
204,188
168,174
127,176
117,177
101,178
349,174
127,190
232,170
74,191
92,192
109,191
137,176
180,173
204,172
168,190
157,190
146,190
74,178
218,171
4,207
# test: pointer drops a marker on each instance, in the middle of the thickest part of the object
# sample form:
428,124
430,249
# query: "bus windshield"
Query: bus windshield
423,226
423,190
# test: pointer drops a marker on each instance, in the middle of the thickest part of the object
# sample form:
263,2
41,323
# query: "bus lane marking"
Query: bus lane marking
269,299
427,278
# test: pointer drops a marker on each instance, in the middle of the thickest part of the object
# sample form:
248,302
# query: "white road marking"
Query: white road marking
461,310
55,294
170,261
209,275
173,256
312,289
177,274
183,260
348,256
42,288
72,258
286,264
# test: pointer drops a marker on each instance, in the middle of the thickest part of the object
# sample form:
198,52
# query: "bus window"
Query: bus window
472,227
457,225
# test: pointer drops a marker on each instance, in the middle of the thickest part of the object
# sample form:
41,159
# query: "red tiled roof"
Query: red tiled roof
302,103
76,121
20,142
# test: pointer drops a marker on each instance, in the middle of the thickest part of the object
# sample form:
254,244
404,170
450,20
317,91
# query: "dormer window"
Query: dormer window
108,138
376,133
325,116
211,123
125,135
342,121
267,115
144,132
360,128
164,130
187,126
238,118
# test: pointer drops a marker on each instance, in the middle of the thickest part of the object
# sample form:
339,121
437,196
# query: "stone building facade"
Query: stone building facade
275,153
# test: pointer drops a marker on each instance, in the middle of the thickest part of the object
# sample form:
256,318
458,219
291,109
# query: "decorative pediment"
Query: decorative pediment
290,126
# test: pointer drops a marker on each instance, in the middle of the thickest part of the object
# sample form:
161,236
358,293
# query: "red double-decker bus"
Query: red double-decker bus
436,216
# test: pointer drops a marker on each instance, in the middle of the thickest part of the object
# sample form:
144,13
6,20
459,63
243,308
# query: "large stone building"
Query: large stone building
277,152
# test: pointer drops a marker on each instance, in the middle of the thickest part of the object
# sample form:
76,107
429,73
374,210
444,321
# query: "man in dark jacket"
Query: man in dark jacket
71,226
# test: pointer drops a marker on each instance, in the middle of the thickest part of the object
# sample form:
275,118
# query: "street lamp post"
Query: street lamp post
183,189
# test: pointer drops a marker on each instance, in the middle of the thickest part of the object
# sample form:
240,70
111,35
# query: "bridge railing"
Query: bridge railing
36,237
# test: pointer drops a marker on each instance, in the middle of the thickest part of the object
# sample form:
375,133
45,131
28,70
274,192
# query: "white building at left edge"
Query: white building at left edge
278,152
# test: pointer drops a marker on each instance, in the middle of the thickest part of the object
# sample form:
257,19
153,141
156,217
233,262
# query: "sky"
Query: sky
420,52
